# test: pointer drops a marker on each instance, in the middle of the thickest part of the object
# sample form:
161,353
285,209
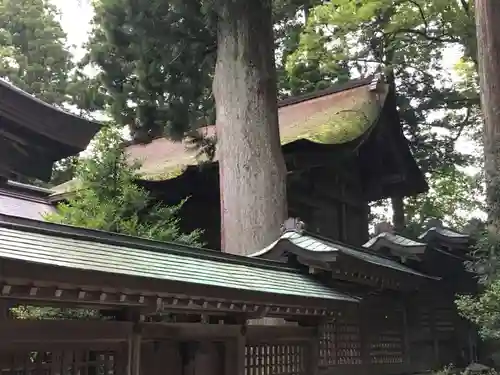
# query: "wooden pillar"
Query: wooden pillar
434,333
313,353
406,336
4,310
134,351
235,354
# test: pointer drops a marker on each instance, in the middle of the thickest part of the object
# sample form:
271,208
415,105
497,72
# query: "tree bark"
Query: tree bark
398,214
252,167
488,47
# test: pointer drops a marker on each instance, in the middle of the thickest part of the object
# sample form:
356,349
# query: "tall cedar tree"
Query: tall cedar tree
108,198
483,309
159,77
488,45
251,166
33,51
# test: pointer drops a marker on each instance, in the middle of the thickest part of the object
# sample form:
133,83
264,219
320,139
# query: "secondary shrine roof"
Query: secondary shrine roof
82,249
323,250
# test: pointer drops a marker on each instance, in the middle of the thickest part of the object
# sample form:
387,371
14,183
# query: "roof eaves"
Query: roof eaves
444,232
127,261
34,99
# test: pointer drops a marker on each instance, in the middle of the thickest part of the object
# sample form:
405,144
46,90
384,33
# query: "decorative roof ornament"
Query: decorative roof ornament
376,82
293,224
383,227
434,223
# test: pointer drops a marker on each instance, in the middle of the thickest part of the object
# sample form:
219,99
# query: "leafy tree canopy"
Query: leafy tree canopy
34,55
406,39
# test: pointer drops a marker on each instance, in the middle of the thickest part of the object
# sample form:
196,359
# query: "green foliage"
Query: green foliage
52,313
33,51
155,60
406,39
109,199
483,310
453,197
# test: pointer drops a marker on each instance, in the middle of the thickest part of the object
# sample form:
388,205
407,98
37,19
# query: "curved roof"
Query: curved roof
34,134
334,116
326,250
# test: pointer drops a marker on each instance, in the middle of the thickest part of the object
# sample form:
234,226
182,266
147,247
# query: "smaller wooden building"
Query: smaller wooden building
159,307
34,134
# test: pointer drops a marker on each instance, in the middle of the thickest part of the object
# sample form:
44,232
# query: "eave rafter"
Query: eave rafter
150,304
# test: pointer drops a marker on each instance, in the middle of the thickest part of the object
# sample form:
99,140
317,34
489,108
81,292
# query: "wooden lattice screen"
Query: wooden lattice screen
421,321
328,345
276,358
340,342
386,337
444,319
59,362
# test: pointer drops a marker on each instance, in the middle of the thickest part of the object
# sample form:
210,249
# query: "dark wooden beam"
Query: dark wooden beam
62,331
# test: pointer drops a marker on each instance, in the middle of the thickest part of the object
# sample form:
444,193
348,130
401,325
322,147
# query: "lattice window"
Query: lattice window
275,359
348,340
328,345
386,338
64,362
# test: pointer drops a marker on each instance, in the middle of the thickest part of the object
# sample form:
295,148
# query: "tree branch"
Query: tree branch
430,38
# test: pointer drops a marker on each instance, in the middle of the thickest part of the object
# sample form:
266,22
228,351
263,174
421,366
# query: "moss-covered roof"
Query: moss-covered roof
337,115
343,117
333,116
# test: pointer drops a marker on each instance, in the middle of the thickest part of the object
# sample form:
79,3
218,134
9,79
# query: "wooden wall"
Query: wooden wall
381,336
409,335
328,199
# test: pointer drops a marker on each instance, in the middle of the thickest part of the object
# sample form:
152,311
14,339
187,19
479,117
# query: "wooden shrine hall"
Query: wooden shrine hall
115,304
330,301
343,148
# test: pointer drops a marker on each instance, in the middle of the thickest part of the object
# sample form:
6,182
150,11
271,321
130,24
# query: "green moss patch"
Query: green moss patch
350,115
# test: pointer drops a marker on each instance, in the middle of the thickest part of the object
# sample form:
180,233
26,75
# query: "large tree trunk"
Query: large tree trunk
252,167
398,214
488,46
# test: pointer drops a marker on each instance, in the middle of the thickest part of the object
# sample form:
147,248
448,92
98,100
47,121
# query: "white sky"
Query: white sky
75,20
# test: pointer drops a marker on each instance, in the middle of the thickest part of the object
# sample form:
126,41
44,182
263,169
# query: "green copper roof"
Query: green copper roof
322,246
386,239
154,260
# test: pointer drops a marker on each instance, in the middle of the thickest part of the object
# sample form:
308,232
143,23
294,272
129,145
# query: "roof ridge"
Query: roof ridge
97,236
333,89
15,194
